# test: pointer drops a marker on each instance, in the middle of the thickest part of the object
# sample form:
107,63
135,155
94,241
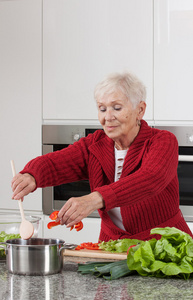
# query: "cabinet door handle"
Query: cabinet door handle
188,158
162,21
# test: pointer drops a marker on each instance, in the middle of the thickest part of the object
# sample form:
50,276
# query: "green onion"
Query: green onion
108,270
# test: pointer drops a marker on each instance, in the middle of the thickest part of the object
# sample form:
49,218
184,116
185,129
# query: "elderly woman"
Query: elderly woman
131,167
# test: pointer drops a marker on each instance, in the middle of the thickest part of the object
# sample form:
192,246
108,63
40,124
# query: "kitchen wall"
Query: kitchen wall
53,52
20,93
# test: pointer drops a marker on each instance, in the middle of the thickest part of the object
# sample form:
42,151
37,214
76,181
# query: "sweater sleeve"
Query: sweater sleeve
66,165
158,166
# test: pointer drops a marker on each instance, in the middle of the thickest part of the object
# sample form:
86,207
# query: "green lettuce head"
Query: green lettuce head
172,255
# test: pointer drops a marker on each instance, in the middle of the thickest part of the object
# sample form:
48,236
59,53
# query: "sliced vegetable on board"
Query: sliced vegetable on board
130,248
170,256
118,246
89,246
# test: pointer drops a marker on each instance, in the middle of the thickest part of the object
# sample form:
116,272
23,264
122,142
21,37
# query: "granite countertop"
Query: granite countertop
69,284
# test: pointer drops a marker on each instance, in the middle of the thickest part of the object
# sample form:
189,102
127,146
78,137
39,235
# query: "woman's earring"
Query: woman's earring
139,122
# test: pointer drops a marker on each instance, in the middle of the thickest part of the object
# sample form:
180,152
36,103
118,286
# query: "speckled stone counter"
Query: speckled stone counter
70,285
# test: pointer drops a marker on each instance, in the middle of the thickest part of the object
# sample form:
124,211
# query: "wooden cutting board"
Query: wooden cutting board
95,254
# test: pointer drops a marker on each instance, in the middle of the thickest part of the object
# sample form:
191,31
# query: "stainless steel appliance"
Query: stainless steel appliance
184,135
56,137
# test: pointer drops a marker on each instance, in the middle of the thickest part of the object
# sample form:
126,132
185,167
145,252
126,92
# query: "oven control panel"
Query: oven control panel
77,136
190,138
65,134
184,134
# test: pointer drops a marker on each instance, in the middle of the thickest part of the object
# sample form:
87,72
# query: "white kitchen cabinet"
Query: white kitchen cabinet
89,233
83,41
20,93
190,224
173,63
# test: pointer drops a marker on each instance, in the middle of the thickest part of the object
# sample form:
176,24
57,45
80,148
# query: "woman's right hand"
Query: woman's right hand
22,185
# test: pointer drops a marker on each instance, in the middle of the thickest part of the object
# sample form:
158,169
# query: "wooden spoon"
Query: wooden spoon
26,228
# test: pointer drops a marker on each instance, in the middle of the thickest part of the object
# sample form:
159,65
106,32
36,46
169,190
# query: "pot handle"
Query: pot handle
68,246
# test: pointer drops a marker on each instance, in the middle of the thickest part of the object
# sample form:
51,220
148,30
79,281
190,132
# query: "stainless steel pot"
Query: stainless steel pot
35,256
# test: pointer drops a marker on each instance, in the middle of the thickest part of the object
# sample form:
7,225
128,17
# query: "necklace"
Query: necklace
120,148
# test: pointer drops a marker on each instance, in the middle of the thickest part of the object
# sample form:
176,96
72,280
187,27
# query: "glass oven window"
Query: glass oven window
185,176
73,189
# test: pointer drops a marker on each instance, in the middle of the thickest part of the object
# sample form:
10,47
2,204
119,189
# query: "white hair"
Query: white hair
127,83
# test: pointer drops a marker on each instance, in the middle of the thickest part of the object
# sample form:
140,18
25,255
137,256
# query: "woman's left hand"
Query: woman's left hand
78,208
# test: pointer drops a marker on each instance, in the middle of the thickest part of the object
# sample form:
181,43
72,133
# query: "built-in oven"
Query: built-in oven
57,137
184,135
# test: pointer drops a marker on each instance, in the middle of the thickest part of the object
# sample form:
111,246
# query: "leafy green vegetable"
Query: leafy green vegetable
118,245
172,255
108,270
3,238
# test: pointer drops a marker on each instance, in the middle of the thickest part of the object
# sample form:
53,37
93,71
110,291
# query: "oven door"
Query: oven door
185,176
53,198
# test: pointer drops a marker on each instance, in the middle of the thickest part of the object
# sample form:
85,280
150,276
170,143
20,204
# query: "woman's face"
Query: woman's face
118,117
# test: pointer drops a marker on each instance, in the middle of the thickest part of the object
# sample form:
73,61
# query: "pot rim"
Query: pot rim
37,242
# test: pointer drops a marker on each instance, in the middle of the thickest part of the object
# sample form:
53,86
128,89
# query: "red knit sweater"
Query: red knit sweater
147,192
